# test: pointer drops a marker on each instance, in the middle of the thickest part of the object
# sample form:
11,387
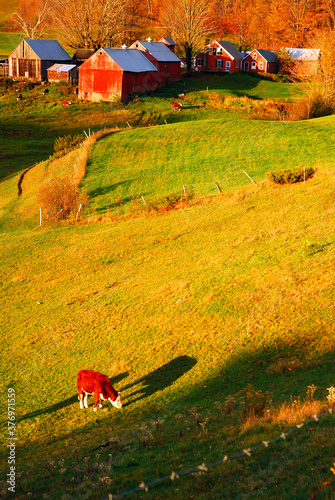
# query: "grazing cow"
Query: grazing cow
66,103
176,105
90,382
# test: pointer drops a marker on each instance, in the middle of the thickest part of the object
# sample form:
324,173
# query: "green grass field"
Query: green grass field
195,314
8,42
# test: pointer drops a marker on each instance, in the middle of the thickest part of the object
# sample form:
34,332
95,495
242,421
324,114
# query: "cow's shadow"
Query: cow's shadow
159,379
66,402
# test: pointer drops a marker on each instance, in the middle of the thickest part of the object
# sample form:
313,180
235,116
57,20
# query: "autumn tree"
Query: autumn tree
89,23
188,24
323,82
32,17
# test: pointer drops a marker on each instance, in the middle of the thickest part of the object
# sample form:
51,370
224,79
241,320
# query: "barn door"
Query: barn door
246,66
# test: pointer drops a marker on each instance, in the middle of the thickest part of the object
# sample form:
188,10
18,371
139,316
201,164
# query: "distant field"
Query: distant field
8,42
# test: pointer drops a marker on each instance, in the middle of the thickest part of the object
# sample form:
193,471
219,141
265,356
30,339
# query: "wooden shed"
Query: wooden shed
116,72
32,58
166,62
63,73
81,55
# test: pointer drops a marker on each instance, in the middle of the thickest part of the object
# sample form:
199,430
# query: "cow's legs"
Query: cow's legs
80,397
85,400
96,400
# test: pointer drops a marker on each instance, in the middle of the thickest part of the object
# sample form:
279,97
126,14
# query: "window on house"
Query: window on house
254,55
218,63
260,65
199,62
227,65
253,65
219,52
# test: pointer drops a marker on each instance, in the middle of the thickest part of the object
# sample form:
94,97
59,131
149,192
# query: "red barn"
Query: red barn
116,72
260,61
169,42
166,62
219,57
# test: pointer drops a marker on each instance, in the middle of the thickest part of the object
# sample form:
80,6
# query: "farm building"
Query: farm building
220,57
116,72
169,42
166,62
261,61
306,60
81,55
62,72
32,58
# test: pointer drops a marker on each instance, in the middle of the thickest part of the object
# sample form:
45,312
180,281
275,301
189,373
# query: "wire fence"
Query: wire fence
204,467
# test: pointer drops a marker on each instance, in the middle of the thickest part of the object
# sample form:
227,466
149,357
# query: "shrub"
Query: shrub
60,198
67,143
291,176
311,106
254,402
171,201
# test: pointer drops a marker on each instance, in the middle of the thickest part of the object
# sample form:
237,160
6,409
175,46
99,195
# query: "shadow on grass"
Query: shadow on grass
160,379
66,402
102,190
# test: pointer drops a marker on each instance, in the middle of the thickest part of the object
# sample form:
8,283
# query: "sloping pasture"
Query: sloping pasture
182,312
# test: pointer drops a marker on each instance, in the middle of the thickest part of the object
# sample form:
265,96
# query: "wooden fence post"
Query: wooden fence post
252,180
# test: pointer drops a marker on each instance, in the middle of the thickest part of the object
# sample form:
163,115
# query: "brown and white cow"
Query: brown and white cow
176,105
91,382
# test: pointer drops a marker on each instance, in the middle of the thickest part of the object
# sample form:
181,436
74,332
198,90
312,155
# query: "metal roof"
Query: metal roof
168,40
159,51
268,55
62,67
48,50
229,47
304,54
131,60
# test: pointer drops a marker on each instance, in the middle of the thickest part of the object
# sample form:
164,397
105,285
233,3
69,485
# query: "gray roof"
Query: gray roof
132,60
168,40
229,47
159,51
48,50
304,54
268,55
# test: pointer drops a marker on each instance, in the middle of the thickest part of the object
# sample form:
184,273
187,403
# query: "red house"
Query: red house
116,72
159,53
219,57
260,61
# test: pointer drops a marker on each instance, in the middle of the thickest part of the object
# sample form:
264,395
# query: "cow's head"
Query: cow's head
118,402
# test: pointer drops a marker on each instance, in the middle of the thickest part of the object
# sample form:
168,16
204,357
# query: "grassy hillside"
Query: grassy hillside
8,42
182,311
216,321
200,154
41,118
